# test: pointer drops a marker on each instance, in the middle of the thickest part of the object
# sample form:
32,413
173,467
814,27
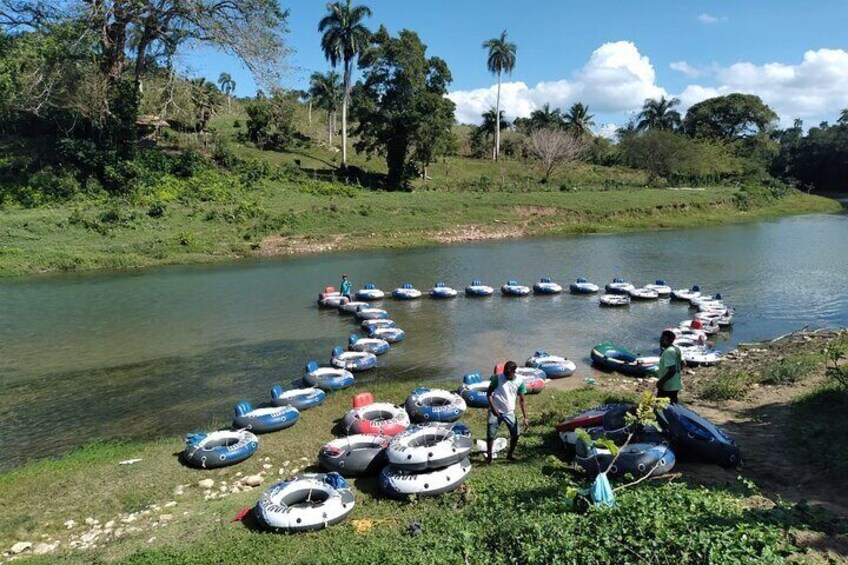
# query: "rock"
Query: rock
165,517
267,466
282,471
151,540
304,459
253,480
44,548
20,547
167,505
238,474
130,462
178,490
286,463
129,519
109,525
89,537
206,483
70,524
222,488
91,522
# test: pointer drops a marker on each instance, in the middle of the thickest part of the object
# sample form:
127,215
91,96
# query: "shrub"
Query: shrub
48,185
787,371
156,209
725,386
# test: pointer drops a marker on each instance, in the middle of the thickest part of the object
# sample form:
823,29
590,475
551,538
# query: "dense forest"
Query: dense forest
92,104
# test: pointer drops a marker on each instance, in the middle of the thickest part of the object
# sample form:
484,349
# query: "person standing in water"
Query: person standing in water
345,288
671,366
504,388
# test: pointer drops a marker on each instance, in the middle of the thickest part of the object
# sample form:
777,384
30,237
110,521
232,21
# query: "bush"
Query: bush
725,386
156,210
787,371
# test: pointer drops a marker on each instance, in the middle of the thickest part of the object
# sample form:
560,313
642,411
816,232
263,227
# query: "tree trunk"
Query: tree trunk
496,152
347,75
310,112
329,129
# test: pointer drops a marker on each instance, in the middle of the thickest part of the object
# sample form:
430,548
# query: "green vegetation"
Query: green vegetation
733,384
819,428
726,385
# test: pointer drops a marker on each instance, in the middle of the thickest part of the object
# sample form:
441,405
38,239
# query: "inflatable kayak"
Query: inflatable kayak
369,292
553,366
583,286
590,418
307,502
477,288
369,313
512,288
659,286
381,418
390,335
264,420
354,361
406,292
619,286
397,483
474,391
694,436
373,345
613,300
219,449
300,398
615,358
546,286
434,405
355,455
327,378
442,291
636,459
371,325
643,293
686,294
430,446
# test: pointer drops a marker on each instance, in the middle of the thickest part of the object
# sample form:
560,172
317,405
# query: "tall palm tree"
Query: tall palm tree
627,130
843,118
227,86
326,90
501,60
546,118
659,114
345,38
578,120
490,125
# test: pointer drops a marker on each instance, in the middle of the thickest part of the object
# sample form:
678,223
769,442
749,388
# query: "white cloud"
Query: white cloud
709,19
616,78
685,68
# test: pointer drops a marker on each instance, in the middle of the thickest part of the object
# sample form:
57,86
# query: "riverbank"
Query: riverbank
287,218
779,505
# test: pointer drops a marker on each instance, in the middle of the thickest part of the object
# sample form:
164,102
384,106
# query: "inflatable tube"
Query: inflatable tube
474,391
330,299
695,301
442,291
264,420
615,358
382,418
709,327
327,378
694,436
300,398
399,484
637,459
512,288
643,293
406,292
694,353
430,446
619,286
582,286
434,405
354,456
353,361
373,345
659,286
697,336
686,294
554,366
369,292
307,502
614,300
368,313
534,379
590,418
371,325
352,306
219,449
477,288
546,286
722,320
389,335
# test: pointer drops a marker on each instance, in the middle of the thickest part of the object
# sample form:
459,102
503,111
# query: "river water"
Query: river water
162,351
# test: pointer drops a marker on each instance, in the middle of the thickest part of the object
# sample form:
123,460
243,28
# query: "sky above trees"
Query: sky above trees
610,55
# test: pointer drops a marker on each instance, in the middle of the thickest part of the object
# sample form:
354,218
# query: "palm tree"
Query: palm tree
545,118
501,60
490,126
227,85
344,39
659,114
627,130
325,89
843,118
578,120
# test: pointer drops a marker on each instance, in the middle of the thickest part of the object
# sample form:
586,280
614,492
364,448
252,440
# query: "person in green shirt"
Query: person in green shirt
670,368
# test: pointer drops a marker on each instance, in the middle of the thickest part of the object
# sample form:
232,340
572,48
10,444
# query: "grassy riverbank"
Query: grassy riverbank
154,511
213,217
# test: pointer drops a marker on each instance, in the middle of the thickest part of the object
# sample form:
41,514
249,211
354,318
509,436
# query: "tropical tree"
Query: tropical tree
554,148
627,130
345,38
578,120
729,117
490,125
501,60
205,98
659,114
326,90
545,118
227,86
843,118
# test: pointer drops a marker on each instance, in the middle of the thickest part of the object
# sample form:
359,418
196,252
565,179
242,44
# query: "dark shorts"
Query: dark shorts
494,422
670,394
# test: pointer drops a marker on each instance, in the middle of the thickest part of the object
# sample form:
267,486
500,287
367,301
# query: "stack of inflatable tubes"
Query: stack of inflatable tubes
381,418
427,460
264,420
355,455
434,405
300,398
306,502
219,449
327,378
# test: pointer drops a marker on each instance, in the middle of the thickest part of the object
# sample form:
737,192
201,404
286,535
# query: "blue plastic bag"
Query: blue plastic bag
601,492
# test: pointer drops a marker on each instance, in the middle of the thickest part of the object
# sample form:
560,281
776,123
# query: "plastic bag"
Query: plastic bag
601,492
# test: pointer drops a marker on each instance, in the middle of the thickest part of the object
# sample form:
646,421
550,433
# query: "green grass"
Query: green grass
507,513
733,384
820,430
726,385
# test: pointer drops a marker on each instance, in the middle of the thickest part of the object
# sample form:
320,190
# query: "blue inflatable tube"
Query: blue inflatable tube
697,437
264,420
354,361
434,405
300,398
474,391
327,378
219,449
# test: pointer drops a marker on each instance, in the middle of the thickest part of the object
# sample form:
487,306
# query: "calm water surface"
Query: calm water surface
163,351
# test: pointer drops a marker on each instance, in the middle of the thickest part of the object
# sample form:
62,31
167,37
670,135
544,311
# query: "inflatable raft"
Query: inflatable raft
406,292
355,455
614,300
219,449
390,335
686,294
429,446
330,298
474,391
512,288
264,420
709,327
643,293
636,459
382,418
546,286
434,405
694,436
590,418
660,287
619,286
369,313
300,398
583,286
369,292
307,502
353,361
371,325
615,358
442,291
352,306
327,378
477,288
553,366
373,345
399,484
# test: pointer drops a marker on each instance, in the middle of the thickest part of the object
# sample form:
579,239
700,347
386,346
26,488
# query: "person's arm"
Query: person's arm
493,384
521,403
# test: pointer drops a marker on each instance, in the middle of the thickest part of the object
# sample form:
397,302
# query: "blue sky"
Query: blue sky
609,54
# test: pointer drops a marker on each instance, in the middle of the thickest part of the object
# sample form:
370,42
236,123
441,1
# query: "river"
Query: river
156,352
